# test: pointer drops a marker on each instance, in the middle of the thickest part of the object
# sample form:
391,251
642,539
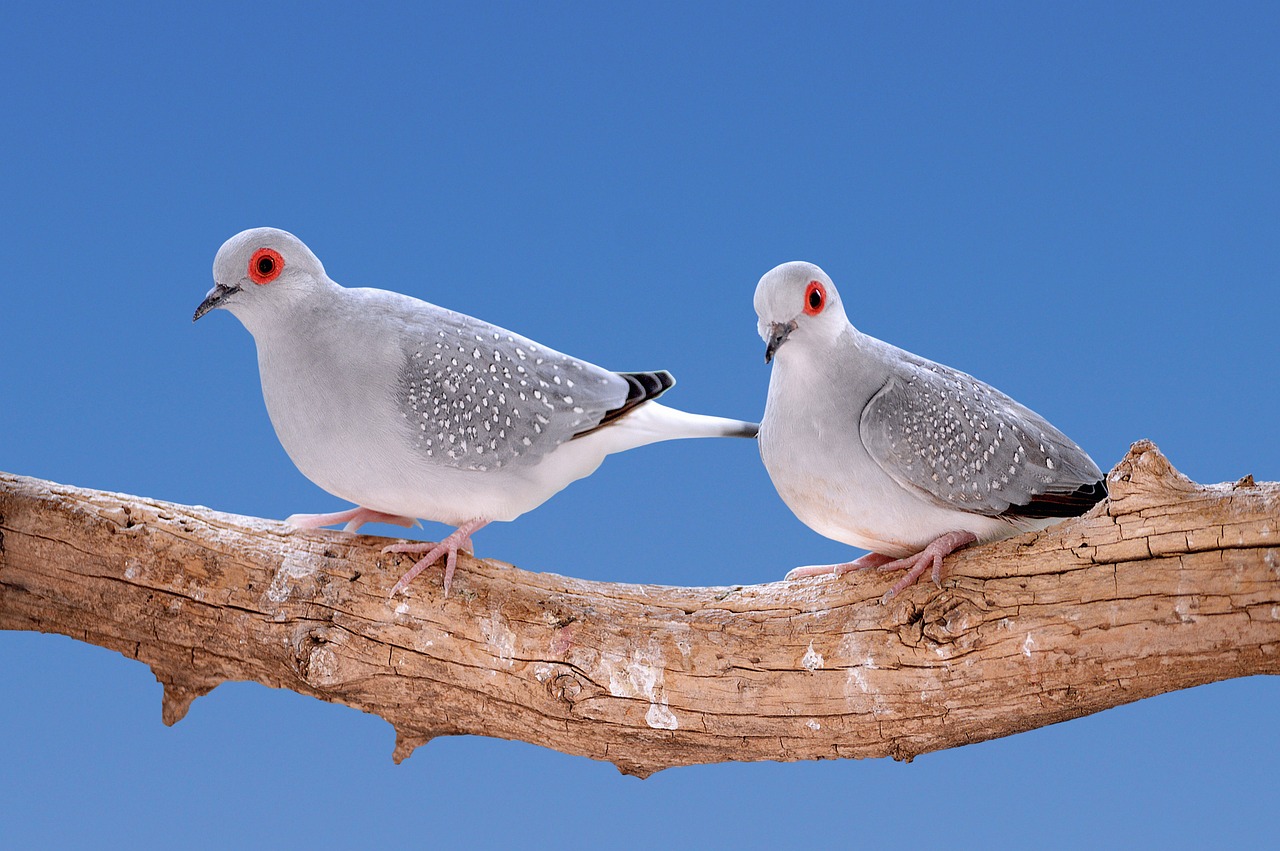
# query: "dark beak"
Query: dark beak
214,299
778,333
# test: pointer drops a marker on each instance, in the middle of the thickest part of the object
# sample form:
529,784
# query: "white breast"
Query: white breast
811,447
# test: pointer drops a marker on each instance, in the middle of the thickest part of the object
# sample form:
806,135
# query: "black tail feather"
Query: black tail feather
641,388
1060,504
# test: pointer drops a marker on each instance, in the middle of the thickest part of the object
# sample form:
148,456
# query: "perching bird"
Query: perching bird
876,447
412,411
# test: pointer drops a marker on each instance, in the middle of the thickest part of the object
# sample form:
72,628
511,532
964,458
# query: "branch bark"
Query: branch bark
1166,585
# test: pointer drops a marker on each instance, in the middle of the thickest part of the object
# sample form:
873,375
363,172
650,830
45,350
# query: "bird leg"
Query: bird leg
915,565
459,539
354,518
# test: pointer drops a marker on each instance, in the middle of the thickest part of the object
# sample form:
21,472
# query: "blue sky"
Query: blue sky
1076,202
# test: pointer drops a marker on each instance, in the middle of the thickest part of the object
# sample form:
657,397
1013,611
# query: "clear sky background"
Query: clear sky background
1076,202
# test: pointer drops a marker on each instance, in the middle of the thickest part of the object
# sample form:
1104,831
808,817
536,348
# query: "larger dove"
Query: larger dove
410,410
875,447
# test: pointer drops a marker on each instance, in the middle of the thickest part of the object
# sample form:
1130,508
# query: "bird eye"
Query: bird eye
815,298
265,265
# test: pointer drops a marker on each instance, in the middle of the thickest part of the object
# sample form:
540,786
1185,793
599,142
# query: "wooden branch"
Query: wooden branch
1166,585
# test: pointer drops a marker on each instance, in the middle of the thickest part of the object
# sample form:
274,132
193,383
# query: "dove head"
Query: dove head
260,274
798,304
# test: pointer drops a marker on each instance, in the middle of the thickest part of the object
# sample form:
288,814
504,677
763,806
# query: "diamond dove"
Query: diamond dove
410,410
875,447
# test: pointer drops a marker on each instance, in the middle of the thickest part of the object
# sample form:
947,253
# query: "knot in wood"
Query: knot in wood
909,624
314,659
566,687
952,619
948,618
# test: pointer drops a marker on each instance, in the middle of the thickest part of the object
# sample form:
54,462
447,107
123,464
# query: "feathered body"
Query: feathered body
412,410
879,448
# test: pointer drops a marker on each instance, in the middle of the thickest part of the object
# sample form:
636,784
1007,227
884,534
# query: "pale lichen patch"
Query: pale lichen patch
322,667
500,637
641,677
291,569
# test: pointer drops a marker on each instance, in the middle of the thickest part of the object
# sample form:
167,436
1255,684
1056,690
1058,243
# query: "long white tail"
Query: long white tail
652,422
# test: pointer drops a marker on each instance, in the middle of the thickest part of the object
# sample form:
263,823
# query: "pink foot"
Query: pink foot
930,556
867,561
915,565
459,539
354,518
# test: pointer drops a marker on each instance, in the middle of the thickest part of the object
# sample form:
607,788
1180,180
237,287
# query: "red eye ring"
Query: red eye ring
815,298
265,265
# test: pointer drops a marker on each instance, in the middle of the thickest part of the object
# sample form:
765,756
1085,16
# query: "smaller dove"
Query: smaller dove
410,410
881,449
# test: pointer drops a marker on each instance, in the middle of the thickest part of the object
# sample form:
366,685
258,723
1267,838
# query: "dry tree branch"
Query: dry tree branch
1166,585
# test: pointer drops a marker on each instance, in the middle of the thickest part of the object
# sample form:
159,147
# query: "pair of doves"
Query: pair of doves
410,411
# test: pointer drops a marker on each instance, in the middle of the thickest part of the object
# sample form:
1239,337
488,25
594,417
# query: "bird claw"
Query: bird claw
930,557
809,570
869,560
433,553
459,539
915,565
354,518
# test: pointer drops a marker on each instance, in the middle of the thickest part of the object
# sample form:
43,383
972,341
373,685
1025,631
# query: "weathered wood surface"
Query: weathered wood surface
1166,585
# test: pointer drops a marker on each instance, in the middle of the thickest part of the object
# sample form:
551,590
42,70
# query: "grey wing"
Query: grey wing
969,446
479,397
